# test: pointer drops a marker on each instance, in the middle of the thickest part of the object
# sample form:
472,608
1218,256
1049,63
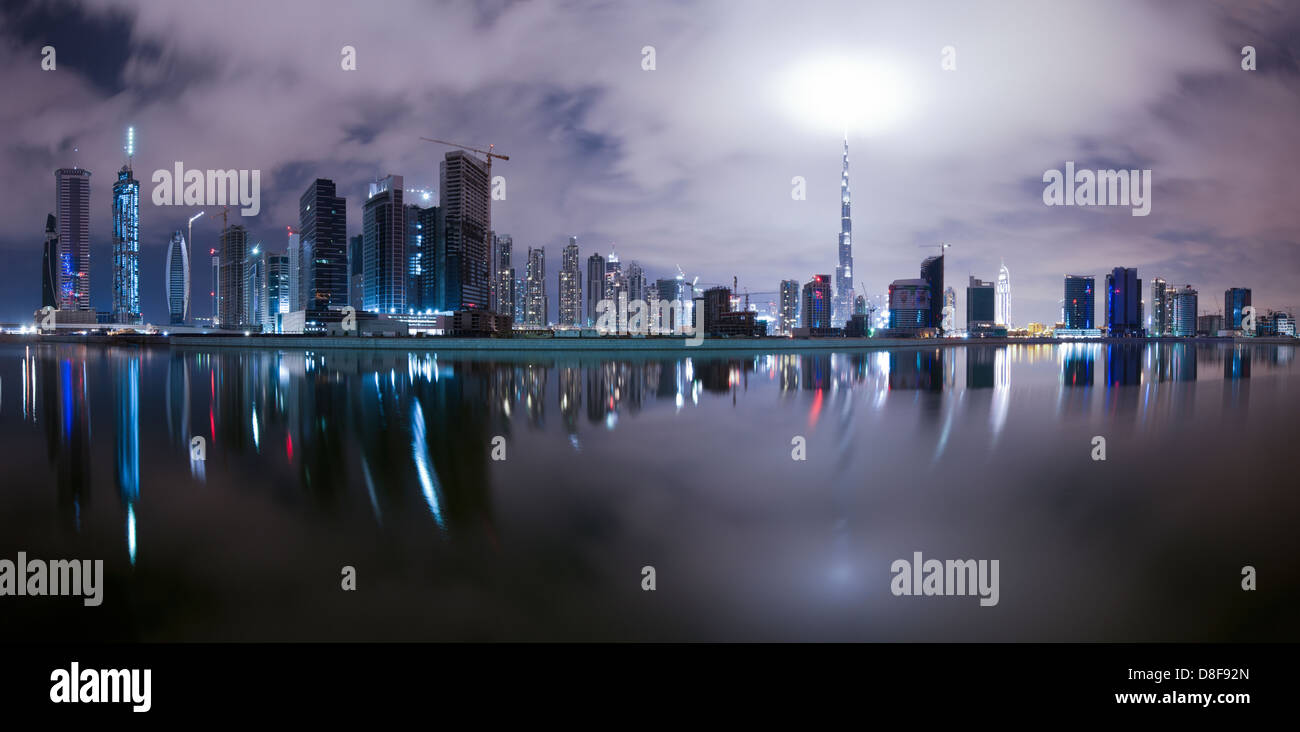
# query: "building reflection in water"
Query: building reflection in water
408,436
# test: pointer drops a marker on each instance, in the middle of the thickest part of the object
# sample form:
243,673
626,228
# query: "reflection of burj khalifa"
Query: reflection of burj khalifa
843,304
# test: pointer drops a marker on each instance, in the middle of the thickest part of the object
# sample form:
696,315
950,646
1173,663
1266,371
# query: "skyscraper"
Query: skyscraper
817,302
789,319
1003,310
356,270
126,241
72,215
216,286
596,286
277,292
570,285
232,292
1159,308
177,273
293,251
1234,300
466,201
535,310
383,228
1123,302
255,309
844,270
504,273
636,281
49,265
932,273
1184,312
424,236
322,230
910,304
1080,303
980,304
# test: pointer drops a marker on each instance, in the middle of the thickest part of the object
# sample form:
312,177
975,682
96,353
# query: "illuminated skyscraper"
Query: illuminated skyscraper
789,319
383,228
1184,312
1003,315
1123,302
570,285
1080,303
126,240
72,216
323,246
232,292
844,271
467,206
177,273
293,251
932,273
535,310
1159,325
817,302
1235,300
503,248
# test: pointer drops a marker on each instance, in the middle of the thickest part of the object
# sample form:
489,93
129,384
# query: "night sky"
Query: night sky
690,163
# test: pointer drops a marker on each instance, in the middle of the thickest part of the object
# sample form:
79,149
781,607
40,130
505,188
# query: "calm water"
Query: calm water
383,461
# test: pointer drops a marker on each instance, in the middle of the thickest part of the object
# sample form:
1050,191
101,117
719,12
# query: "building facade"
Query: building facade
817,302
126,248
72,216
1124,303
466,203
383,231
1079,309
570,286
535,305
1183,323
323,246
177,279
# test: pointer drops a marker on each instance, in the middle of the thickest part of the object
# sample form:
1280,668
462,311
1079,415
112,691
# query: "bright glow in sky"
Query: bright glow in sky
843,93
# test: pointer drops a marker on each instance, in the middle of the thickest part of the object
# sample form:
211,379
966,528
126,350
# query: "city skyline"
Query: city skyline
587,162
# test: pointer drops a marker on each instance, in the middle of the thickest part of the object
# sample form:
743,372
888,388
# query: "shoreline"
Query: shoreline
605,344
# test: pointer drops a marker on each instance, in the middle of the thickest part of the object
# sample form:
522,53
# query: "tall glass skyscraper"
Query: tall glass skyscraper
323,246
535,305
817,302
232,293
789,319
126,245
844,270
503,246
1080,303
1184,312
383,226
932,273
177,279
1123,302
72,216
570,285
466,202
596,286
1235,299
1159,308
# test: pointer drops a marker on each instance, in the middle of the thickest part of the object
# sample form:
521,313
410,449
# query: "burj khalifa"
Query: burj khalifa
843,303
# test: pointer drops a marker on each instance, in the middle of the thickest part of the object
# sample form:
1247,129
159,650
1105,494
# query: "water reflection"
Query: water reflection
403,442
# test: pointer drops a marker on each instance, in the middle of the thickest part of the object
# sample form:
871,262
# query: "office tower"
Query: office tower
277,291
1003,314
177,273
570,285
383,228
466,203
981,303
1234,300
503,246
717,302
950,300
520,296
535,310
255,309
596,286
126,243
1123,302
233,291
674,291
910,304
72,216
293,251
216,286
844,270
425,244
323,246
860,303
49,265
789,317
1080,304
932,273
356,270
613,277
817,302
1159,308
1184,313
635,282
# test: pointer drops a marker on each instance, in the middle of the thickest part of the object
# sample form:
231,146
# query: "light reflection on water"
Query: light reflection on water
383,461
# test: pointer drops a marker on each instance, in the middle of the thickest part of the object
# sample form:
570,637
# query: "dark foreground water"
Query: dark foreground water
384,462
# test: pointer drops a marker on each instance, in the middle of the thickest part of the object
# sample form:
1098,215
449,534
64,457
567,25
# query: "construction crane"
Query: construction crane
487,153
